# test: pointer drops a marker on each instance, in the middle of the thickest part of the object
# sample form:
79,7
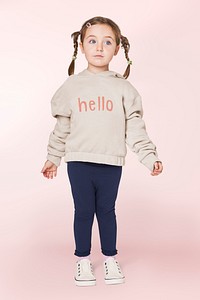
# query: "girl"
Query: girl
98,112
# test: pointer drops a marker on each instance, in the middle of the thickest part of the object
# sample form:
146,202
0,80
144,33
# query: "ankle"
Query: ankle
83,257
107,257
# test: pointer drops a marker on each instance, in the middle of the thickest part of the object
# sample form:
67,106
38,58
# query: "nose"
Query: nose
100,47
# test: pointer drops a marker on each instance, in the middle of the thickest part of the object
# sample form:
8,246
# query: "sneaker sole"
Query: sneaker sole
115,281
85,283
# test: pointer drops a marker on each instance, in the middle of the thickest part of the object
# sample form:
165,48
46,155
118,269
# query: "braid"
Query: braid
125,44
75,36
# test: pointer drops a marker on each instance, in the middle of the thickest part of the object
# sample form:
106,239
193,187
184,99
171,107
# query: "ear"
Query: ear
117,49
81,47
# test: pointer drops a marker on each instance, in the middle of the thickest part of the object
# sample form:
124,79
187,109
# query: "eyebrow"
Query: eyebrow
107,36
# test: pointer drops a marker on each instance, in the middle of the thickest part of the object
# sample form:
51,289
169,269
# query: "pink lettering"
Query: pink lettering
101,105
91,104
80,104
109,105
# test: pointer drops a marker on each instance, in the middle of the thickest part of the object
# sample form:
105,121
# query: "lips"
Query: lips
98,56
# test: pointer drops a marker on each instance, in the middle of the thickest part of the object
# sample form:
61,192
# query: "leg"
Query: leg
84,203
107,184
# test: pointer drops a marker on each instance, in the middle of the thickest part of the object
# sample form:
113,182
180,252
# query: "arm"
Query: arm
60,108
57,139
56,145
136,136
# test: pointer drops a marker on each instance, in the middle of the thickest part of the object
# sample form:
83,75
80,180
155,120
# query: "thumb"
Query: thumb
43,169
156,165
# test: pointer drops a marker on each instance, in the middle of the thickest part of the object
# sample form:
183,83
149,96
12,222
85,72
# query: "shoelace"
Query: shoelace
117,264
85,267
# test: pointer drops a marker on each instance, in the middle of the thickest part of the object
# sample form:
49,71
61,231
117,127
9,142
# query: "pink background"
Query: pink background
158,217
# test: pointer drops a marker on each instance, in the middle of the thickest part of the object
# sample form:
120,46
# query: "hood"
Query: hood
86,72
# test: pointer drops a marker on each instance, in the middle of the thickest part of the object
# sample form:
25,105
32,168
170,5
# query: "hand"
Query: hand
158,167
49,170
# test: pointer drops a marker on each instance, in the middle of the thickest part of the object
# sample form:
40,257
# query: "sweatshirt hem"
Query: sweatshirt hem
96,158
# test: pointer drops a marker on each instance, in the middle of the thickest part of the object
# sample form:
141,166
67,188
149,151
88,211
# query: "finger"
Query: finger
43,170
155,173
45,175
51,174
160,169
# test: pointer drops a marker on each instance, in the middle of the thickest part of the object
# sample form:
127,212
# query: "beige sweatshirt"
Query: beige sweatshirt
97,115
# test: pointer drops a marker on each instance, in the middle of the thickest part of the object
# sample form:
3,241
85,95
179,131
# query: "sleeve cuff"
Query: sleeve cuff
149,161
56,160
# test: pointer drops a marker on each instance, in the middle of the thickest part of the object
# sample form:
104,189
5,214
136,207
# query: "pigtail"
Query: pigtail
71,68
125,44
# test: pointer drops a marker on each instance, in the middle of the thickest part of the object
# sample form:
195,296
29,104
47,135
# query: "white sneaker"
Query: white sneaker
84,273
112,271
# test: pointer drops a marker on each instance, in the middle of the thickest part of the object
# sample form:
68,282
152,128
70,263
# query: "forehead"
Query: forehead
100,30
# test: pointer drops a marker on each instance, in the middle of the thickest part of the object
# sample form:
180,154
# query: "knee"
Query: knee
83,214
105,211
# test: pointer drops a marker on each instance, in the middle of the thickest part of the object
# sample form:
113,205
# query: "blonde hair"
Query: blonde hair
119,39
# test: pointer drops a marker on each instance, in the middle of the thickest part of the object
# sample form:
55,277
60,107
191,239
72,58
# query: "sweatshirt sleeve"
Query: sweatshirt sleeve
60,109
136,136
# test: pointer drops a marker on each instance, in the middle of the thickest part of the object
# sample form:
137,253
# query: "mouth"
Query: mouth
98,56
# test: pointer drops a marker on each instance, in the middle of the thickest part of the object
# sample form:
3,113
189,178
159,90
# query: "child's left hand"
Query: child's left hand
158,167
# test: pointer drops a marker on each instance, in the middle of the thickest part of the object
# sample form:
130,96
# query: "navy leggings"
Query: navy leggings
94,189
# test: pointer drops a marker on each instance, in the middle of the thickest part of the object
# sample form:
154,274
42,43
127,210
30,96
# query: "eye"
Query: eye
92,41
108,43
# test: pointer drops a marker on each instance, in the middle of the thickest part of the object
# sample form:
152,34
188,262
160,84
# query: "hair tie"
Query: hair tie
88,24
129,62
74,57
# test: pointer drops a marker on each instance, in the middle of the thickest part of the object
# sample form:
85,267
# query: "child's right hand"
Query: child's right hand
49,170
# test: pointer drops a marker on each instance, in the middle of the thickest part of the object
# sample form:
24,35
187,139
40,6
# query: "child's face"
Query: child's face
99,46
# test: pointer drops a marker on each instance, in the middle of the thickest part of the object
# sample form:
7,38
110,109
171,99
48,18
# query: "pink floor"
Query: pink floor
44,270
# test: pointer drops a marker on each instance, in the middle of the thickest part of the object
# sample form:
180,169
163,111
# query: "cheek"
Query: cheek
112,52
88,48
